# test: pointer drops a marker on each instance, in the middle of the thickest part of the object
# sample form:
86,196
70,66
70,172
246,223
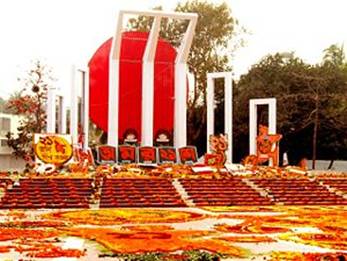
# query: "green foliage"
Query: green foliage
193,255
29,103
334,55
311,104
210,52
142,257
197,255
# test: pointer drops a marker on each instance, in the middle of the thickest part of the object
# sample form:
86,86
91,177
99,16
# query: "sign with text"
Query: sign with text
126,154
53,148
188,155
84,156
214,159
148,155
106,154
167,155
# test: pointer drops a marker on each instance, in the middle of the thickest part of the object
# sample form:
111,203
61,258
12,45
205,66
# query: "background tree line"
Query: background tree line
311,103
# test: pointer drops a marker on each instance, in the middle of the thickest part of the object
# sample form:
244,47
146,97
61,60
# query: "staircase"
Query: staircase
48,193
299,192
223,192
183,193
140,192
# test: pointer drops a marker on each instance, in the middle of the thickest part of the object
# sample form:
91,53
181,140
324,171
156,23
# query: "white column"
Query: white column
62,115
210,110
252,127
113,84
272,123
272,116
50,111
183,50
113,98
147,114
85,108
180,111
74,107
228,114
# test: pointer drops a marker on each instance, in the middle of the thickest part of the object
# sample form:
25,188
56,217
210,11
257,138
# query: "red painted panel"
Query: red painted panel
98,85
130,89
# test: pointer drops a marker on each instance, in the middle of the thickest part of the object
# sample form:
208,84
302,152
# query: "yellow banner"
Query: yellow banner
53,148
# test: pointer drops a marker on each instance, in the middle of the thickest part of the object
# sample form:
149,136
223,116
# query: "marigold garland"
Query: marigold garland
126,241
122,216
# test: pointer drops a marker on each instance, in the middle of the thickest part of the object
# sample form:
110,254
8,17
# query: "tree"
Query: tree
334,62
271,77
210,52
29,103
334,55
311,103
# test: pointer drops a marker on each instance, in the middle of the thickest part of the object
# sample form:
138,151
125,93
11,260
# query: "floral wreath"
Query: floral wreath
128,132
161,132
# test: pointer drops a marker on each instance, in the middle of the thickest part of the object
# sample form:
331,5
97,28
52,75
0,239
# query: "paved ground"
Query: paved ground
338,165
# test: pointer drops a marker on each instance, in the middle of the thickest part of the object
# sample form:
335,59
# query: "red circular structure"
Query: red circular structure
130,85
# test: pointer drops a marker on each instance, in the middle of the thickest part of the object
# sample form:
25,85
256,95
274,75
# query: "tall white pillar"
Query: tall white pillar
74,107
62,115
228,114
272,116
252,128
272,123
147,114
113,84
210,110
113,101
228,109
180,111
51,111
85,97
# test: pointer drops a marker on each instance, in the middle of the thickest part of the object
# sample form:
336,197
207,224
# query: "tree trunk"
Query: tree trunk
315,132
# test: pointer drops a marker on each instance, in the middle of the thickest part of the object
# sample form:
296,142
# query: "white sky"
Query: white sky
66,32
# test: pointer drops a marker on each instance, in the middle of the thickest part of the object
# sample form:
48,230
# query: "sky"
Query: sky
67,32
